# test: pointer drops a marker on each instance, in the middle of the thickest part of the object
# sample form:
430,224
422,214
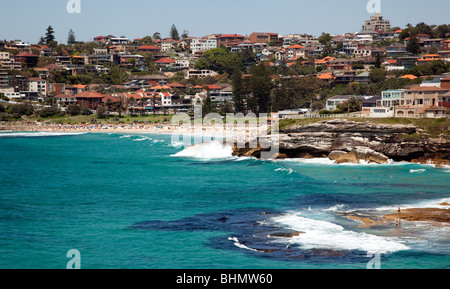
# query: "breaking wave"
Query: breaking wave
325,235
207,150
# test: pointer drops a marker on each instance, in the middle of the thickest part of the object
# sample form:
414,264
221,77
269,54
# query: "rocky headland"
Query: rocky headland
347,141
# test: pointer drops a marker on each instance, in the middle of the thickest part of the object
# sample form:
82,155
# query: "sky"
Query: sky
27,20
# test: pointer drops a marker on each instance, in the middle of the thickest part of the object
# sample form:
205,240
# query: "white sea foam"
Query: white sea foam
207,150
417,171
239,245
288,170
40,134
338,208
142,138
325,235
434,203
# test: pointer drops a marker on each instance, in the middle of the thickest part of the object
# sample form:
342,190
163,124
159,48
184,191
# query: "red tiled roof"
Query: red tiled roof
175,84
26,54
295,46
88,94
148,47
165,60
231,35
212,86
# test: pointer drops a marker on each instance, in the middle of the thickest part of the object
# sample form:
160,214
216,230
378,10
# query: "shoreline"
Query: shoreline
204,131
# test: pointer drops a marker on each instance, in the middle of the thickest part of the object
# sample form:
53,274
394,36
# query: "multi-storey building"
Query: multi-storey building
376,23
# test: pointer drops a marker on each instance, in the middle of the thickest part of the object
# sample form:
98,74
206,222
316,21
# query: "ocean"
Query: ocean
138,201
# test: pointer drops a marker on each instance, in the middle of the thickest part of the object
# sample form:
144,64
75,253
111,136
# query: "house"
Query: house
28,59
345,78
38,85
43,72
396,49
368,104
292,51
229,40
199,73
418,99
447,45
202,44
56,88
333,101
392,97
428,57
363,77
340,64
89,99
261,37
376,23
153,79
148,48
65,99
167,44
119,41
63,60
164,62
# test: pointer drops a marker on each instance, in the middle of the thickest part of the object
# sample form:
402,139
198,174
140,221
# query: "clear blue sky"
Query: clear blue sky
28,19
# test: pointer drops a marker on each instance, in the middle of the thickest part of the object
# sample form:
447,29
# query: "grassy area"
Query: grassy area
81,119
426,126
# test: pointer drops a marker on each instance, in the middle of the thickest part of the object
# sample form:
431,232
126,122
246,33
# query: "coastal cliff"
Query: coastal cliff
351,142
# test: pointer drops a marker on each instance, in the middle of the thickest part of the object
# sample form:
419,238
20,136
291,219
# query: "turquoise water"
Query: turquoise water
125,201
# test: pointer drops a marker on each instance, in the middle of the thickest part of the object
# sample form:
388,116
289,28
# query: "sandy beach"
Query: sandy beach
215,131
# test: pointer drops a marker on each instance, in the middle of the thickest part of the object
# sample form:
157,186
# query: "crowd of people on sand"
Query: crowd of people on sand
247,132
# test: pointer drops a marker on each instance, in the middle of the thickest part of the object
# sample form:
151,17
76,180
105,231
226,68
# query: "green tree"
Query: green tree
377,75
49,35
71,40
413,45
73,109
156,36
174,33
220,60
238,90
325,39
101,111
260,87
207,106
185,34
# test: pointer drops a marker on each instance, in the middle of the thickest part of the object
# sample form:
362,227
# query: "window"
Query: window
419,101
427,101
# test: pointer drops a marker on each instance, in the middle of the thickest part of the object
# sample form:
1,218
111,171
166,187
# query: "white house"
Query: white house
203,44
38,85
200,73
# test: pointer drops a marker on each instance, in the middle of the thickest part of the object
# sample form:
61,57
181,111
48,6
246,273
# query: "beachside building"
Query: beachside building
390,98
417,100
89,99
38,85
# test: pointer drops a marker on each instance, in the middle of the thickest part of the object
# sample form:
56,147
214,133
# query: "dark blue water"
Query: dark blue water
125,201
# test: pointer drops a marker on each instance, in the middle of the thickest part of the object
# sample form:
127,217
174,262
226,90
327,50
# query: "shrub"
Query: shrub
101,111
73,109
85,111
49,111
18,110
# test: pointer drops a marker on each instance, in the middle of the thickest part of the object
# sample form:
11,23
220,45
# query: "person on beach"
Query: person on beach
399,210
